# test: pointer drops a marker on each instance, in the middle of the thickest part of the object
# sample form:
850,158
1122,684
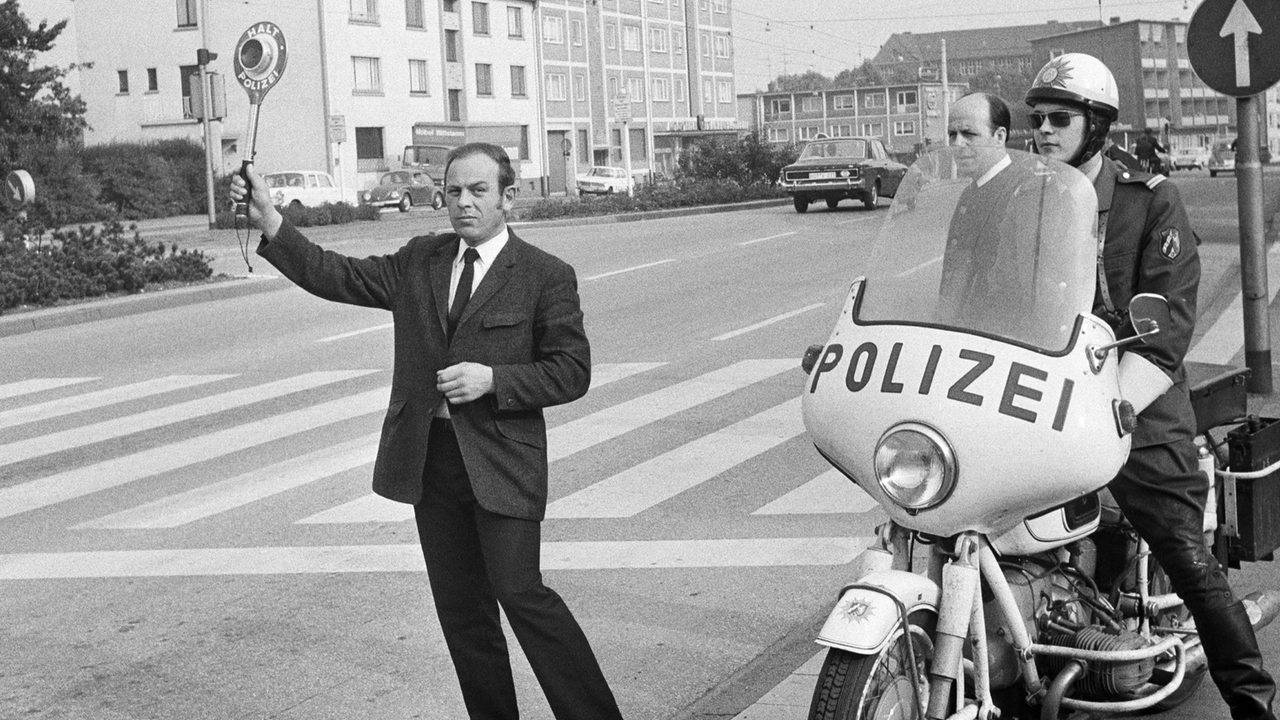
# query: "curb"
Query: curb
649,214
132,304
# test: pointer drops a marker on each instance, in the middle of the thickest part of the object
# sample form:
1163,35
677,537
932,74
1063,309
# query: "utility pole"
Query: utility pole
203,58
946,98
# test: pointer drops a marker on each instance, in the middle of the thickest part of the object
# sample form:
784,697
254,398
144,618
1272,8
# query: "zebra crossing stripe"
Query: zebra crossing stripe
603,555
82,481
35,385
102,398
208,500
830,492
643,486
151,419
577,435
364,509
606,373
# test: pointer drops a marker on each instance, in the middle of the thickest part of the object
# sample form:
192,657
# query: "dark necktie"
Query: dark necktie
463,293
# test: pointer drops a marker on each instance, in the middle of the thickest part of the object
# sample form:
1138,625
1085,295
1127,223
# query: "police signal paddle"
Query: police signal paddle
259,62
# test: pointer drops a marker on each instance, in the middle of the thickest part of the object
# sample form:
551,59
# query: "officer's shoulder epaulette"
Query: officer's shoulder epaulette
1130,177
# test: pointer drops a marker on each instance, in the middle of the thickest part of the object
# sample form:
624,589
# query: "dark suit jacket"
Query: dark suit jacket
523,320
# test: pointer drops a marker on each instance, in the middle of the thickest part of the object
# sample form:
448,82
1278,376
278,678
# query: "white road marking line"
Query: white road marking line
648,554
102,398
577,435
745,243
151,419
26,387
639,488
353,333
208,500
371,508
918,268
1225,337
627,270
830,492
82,481
858,219
766,323
606,373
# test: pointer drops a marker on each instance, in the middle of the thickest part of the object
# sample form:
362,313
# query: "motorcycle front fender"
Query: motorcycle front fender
869,610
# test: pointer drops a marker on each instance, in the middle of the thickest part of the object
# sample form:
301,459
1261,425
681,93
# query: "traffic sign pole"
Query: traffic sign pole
1253,251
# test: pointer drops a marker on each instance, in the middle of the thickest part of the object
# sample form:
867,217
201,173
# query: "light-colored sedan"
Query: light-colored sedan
1190,158
603,180
403,189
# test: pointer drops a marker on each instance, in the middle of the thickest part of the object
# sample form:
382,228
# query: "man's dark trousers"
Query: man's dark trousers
477,559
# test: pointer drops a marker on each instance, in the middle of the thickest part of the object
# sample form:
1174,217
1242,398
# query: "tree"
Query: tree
864,74
1010,84
38,113
809,80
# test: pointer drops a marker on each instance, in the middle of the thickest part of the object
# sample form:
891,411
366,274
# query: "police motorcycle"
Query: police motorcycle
985,425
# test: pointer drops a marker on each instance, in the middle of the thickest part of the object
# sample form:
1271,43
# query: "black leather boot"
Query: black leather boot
1235,663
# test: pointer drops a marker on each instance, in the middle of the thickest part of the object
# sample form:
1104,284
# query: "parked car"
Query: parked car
404,189
1221,158
603,180
833,169
302,187
1190,158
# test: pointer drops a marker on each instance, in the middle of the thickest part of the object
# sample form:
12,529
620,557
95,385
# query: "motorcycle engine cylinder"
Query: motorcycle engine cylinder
1102,679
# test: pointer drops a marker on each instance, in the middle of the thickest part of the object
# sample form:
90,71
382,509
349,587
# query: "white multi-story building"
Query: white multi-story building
365,72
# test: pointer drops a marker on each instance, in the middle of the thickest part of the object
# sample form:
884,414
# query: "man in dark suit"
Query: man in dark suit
488,332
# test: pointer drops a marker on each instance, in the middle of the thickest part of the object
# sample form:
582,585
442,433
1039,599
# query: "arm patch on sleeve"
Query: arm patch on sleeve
1170,243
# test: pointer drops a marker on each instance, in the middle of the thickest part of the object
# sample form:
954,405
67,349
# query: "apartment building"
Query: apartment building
663,69
1158,87
1005,49
906,116
372,74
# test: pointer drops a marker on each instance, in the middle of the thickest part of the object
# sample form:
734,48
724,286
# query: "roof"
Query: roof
1009,41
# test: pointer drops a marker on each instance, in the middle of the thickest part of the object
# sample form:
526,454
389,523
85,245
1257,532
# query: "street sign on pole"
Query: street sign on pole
1234,45
337,128
622,108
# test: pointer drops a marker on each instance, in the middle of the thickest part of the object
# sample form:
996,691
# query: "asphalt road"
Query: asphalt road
185,514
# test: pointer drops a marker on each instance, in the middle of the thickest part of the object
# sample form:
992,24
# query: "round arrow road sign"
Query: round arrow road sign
1234,45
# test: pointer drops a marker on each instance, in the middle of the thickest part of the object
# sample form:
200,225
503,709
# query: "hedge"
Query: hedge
90,262
686,192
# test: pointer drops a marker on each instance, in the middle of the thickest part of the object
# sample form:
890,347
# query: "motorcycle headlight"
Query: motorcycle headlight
915,466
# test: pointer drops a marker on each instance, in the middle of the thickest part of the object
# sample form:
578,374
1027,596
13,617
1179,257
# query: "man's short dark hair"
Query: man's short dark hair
999,109
506,173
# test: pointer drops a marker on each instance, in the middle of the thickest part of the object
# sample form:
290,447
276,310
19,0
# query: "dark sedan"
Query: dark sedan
833,169
404,189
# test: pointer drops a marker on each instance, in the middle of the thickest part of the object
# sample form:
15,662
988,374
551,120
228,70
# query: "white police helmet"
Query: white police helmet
1082,80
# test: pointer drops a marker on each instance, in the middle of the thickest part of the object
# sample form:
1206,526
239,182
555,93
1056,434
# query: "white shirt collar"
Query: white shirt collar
488,249
1003,163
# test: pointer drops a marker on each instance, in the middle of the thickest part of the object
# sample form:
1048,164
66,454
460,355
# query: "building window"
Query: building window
631,38
707,90
580,87
555,87
414,16
364,11
841,130
724,91
369,150
575,32
778,106
720,6
480,18
613,86
122,77
779,134
811,104
872,129
808,132
635,89
843,102
368,75
722,46
418,80
610,36
661,90
451,6
153,80
907,97
484,79
1180,34
904,127
517,81
451,45
186,73
515,22
677,42
553,29
875,100
455,105
679,90
704,43
187,13
658,39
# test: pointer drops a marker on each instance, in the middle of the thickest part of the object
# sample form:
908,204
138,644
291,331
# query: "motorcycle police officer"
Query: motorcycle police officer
1146,246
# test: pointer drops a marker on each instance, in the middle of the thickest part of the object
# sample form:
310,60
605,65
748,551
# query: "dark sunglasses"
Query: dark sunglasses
1057,118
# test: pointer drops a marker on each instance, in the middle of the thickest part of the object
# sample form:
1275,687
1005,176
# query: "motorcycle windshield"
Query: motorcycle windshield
991,241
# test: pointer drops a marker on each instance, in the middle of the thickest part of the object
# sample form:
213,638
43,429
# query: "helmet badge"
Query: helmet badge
1057,73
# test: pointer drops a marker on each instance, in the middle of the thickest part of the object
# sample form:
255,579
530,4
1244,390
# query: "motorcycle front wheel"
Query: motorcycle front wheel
880,686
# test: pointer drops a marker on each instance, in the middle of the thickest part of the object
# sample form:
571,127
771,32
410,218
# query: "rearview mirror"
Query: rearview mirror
1148,314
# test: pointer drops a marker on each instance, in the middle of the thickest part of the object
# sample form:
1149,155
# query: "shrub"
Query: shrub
88,262
684,192
302,216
